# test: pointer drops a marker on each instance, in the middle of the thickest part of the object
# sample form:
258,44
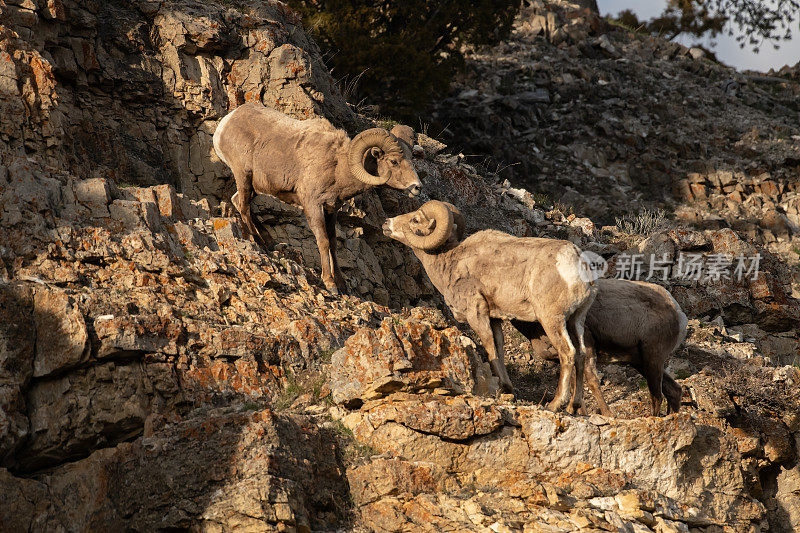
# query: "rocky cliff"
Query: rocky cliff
133,89
607,120
158,371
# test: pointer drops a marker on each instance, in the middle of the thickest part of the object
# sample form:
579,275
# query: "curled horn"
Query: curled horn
458,220
375,137
442,217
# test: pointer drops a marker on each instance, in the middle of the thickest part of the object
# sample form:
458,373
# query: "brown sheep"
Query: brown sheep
636,323
311,164
491,275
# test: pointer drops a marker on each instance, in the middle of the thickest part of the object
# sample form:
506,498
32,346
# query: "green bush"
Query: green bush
402,53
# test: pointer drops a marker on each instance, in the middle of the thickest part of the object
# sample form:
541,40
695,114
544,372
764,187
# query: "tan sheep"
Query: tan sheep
311,164
491,275
636,323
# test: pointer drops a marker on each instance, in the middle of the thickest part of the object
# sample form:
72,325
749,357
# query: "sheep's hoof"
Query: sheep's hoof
333,290
574,410
341,286
553,406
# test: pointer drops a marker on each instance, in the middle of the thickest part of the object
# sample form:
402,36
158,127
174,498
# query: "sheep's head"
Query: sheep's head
427,228
377,157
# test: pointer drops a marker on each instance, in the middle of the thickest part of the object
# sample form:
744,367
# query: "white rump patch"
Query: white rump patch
218,135
569,267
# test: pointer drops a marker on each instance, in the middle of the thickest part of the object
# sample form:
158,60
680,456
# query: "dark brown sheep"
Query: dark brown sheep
636,323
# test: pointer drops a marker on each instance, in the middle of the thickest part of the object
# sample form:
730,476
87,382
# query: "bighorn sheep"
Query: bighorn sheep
636,323
311,164
492,275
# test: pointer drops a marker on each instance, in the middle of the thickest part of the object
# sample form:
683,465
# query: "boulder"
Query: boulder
407,356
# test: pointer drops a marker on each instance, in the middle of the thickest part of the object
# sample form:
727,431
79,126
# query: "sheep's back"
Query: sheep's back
628,314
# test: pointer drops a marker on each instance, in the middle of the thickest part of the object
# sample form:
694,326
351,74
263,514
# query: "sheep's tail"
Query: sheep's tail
682,323
218,137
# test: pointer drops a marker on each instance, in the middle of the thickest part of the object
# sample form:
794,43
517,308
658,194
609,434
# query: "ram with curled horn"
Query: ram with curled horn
310,164
491,276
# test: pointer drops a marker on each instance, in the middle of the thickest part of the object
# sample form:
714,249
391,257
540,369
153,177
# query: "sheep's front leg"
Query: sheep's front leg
654,375
478,319
330,229
316,221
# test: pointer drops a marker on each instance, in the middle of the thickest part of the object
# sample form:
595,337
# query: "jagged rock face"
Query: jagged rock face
609,120
127,302
766,300
159,371
225,469
133,90
407,356
143,340
633,472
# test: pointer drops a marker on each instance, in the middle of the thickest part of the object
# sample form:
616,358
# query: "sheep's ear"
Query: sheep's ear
375,152
422,225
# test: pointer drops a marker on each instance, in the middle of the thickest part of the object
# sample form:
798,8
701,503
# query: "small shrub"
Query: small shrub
251,406
288,395
326,355
424,128
542,199
563,208
352,451
682,374
645,223
388,123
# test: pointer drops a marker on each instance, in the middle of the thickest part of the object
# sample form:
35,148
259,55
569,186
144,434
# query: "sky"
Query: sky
726,47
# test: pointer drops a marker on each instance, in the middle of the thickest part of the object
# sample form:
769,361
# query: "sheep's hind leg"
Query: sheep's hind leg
673,391
592,380
241,201
316,221
499,347
559,337
576,330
